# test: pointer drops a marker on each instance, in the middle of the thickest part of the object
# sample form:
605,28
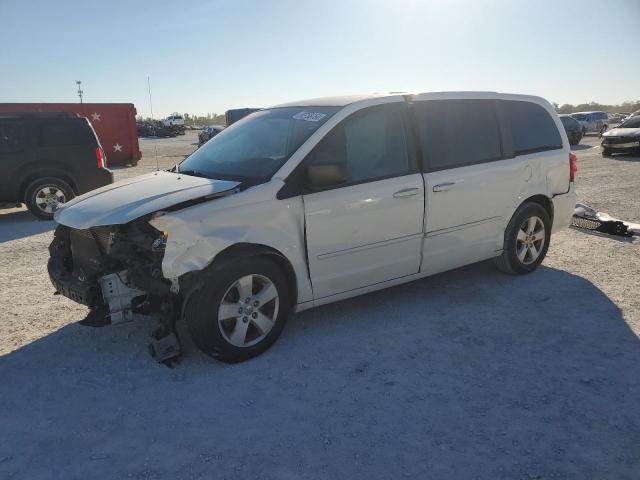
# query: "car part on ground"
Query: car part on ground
587,218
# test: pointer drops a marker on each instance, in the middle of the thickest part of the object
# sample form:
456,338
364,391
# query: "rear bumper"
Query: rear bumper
96,179
563,207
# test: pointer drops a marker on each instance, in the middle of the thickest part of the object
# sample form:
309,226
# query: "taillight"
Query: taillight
573,166
102,161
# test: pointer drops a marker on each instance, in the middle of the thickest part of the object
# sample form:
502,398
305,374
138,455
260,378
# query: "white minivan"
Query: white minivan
316,201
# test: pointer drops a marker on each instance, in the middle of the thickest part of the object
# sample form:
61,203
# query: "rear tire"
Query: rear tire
240,309
526,240
45,196
606,152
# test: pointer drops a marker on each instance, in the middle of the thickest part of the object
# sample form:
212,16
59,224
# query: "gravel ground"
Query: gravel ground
467,374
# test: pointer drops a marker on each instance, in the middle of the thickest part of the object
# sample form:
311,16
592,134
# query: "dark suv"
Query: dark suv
46,159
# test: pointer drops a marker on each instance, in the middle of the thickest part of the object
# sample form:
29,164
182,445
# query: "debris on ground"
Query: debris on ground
587,218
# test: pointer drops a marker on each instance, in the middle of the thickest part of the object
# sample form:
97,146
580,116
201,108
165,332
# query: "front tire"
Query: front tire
526,240
45,196
240,309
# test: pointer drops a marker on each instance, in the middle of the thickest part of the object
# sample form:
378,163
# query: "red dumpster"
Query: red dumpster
114,123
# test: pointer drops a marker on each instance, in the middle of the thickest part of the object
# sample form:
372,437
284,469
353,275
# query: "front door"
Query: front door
368,229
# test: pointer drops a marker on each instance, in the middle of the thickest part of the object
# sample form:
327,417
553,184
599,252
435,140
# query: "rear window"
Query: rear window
569,122
454,133
11,136
532,128
63,132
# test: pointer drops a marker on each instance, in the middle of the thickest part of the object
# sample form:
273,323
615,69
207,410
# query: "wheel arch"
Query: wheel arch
32,175
244,249
542,200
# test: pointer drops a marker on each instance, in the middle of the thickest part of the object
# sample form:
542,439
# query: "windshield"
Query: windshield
579,116
633,122
254,148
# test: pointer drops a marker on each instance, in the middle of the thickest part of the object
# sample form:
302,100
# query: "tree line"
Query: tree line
624,107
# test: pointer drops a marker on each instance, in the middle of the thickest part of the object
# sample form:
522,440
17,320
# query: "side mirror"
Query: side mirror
324,175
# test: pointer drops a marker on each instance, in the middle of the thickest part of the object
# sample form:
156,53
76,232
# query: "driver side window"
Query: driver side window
367,146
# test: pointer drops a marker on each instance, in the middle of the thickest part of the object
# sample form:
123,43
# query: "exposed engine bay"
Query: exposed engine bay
116,271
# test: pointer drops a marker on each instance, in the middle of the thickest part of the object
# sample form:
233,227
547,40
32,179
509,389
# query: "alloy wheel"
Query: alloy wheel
530,240
49,199
248,310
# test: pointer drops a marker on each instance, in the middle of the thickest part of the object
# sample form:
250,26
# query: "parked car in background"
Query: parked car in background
572,127
233,115
208,133
316,201
616,118
173,120
625,138
592,122
47,159
113,123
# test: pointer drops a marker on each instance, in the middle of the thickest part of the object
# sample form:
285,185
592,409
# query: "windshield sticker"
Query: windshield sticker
309,116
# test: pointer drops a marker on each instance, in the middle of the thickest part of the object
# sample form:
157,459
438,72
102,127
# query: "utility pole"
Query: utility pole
80,92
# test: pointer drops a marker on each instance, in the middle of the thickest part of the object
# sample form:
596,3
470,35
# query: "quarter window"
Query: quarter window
455,133
65,132
532,128
371,144
11,137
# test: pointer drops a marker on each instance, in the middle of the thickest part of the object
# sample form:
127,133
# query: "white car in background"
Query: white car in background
592,122
312,202
174,120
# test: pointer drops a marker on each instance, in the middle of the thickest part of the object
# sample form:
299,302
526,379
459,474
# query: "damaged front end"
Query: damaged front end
116,271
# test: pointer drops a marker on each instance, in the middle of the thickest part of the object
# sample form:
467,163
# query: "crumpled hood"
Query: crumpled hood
621,132
121,202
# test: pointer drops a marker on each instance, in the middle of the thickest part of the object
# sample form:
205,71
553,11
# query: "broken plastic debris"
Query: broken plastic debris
587,218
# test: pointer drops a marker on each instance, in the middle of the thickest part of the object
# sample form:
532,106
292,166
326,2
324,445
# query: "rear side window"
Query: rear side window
455,133
63,132
532,128
11,136
370,142
569,122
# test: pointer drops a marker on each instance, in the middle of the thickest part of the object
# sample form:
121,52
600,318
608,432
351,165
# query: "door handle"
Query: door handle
406,192
443,187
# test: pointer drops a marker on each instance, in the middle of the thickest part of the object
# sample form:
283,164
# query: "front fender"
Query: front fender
196,235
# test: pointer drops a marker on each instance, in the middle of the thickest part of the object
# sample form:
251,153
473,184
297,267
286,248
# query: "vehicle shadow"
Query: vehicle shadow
626,157
581,146
16,224
466,374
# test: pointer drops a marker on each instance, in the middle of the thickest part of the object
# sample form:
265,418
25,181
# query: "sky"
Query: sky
208,56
